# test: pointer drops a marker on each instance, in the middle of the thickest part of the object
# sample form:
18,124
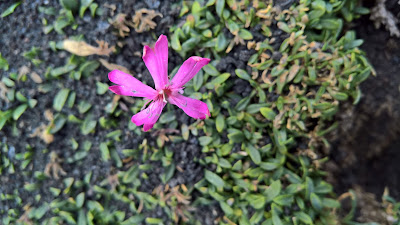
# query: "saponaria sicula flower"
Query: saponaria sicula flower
171,91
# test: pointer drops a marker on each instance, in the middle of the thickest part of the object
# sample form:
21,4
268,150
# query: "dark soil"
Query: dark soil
365,148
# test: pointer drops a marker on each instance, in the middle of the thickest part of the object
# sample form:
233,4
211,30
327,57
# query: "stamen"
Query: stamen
164,100
134,92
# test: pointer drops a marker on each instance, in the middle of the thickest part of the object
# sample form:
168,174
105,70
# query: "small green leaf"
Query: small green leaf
205,140
88,125
219,7
72,5
214,179
316,202
3,63
10,9
80,199
210,69
18,111
62,70
57,123
102,88
242,74
221,43
303,217
60,99
273,190
226,208
245,34
220,79
268,113
150,220
88,68
84,107
220,123
105,152
284,200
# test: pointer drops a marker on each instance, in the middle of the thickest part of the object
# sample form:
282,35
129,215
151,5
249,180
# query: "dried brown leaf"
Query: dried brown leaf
112,66
36,78
53,168
143,20
23,70
3,92
82,48
120,24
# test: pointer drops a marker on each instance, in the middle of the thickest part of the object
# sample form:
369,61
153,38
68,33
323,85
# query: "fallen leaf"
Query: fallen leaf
120,24
143,20
81,48
3,91
23,70
36,78
112,66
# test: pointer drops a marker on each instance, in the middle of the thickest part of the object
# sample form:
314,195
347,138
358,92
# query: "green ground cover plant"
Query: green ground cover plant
260,154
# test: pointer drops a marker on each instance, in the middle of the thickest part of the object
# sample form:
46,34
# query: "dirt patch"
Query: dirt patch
365,149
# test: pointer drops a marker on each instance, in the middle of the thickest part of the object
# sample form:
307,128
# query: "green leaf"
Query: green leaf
273,190
72,5
221,43
84,106
214,179
18,111
226,208
245,34
80,199
276,220
88,125
10,9
219,7
88,68
60,99
220,79
284,200
254,154
84,5
268,113
105,152
205,140
62,70
242,74
3,63
198,81
168,173
220,123
20,97
257,201
316,202
150,220
303,217
210,69
57,123
102,88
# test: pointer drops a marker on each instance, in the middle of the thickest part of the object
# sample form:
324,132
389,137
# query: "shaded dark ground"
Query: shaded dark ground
366,147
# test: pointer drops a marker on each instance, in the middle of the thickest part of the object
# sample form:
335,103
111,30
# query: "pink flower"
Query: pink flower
156,61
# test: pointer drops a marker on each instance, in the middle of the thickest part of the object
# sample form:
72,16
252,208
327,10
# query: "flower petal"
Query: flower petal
188,70
157,61
130,86
149,116
192,107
